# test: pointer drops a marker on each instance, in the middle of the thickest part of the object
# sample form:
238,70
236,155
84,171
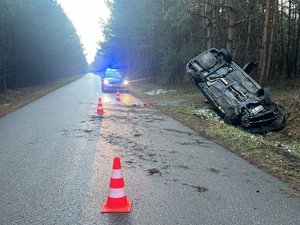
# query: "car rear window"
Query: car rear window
113,74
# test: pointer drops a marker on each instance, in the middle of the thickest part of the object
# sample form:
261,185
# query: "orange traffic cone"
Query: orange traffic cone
100,107
117,200
118,98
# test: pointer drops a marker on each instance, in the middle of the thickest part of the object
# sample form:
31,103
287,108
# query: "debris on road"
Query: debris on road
153,171
201,188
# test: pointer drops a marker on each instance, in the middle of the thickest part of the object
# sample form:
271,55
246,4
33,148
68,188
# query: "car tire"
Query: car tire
267,96
226,55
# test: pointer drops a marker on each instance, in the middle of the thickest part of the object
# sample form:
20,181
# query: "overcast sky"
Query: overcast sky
86,16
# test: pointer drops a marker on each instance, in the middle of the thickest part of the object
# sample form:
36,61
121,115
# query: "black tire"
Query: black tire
226,55
267,96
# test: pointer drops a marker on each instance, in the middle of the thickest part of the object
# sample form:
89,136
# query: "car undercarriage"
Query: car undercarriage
233,94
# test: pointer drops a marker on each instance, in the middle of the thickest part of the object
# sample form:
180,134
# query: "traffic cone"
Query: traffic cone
118,98
100,107
117,200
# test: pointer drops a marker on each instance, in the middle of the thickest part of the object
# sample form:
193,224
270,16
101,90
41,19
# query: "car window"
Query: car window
113,74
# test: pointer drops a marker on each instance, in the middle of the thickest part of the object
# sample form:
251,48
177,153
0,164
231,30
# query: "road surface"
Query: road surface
56,162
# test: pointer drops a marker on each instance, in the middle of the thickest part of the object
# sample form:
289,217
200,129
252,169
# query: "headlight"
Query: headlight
106,82
125,82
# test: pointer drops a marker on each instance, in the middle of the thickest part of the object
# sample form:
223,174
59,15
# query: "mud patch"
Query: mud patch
87,131
93,117
193,142
78,133
142,157
153,171
200,188
177,131
141,105
151,119
214,170
173,152
129,161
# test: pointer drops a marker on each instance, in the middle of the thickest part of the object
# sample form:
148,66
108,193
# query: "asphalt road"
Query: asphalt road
56,163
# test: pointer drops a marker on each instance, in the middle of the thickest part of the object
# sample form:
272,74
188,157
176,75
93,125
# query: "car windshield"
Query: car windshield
113,74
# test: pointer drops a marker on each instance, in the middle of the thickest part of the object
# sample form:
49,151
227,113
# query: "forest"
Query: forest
38,44
156,38
150,39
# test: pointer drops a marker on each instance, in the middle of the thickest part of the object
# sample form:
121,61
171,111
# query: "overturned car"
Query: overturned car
234,95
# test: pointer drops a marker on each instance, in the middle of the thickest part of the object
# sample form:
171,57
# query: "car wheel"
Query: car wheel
267,96
226,55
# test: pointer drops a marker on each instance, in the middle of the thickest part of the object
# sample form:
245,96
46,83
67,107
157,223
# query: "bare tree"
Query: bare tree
272,40
232,28
249,32
208,11
289,44
297,41
264,45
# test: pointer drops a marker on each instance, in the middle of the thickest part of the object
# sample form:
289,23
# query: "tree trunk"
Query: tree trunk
247,49
288,47
277,44
272,43
282,45
232,28
213,27
209,27
297,40
264,48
